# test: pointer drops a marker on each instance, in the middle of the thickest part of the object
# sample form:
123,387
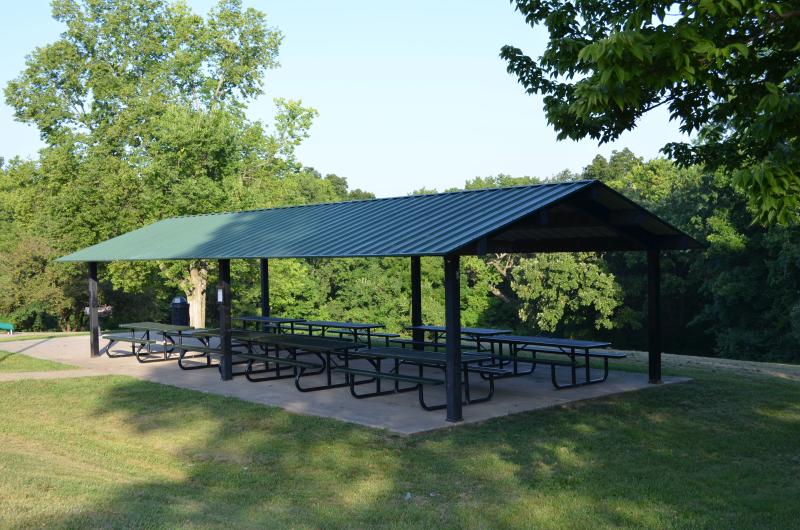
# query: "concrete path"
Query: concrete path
50,374
399,413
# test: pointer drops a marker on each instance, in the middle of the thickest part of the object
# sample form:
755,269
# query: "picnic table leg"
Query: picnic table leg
397,371
574,370
328,368
464,370
515,359
588,367
378,369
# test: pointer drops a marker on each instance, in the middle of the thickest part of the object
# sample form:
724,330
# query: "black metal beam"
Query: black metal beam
224,302
264,267
545,245
633,233
94,321
654,315
576,244
416,301
452,312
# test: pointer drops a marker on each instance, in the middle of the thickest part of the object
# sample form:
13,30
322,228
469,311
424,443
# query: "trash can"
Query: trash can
179,311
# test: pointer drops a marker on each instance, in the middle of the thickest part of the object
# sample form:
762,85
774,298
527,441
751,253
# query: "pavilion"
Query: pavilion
560,217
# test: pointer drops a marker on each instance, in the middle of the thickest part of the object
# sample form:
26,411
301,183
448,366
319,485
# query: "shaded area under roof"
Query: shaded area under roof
570,216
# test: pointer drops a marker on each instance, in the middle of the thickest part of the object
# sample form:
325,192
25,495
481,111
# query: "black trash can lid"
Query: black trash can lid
179,300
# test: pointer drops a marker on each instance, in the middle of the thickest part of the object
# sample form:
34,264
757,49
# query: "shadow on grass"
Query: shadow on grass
720,452
5,355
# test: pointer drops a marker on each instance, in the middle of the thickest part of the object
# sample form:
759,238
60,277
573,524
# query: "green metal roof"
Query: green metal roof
473,221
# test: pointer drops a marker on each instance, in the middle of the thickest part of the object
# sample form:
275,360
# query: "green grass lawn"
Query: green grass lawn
18,362
42,335
718,452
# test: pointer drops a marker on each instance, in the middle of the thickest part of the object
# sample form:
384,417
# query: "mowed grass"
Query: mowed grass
18,362
718,452
42,335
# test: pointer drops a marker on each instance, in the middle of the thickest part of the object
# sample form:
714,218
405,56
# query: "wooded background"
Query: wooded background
141,129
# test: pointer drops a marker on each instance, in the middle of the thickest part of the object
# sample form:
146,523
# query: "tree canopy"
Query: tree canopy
141,105
727,70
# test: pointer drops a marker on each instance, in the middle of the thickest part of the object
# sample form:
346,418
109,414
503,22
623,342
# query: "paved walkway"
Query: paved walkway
399,413
49,374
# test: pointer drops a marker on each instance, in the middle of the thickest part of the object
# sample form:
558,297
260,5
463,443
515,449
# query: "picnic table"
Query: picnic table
277,323
355,329
204,348
571,348
145,346
326,350
419,359
474,334
263,348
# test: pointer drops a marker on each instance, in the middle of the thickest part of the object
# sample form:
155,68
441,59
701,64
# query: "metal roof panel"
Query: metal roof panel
434,224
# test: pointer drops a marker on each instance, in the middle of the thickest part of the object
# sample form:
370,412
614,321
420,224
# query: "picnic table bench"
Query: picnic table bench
7,327
572,349
253,340
203,349
259,346
420,359
323,348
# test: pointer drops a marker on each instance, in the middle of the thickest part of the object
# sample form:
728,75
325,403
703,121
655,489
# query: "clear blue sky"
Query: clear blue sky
411,94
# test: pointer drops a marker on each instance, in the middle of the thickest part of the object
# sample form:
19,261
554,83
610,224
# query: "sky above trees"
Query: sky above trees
410,96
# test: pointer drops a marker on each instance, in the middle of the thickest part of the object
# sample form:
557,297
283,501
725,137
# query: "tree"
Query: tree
141,106
736,299
727,70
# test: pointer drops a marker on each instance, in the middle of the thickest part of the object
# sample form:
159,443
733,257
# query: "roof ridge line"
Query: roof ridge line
451,192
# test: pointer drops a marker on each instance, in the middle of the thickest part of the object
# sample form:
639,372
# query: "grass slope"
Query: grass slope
17,362
718,452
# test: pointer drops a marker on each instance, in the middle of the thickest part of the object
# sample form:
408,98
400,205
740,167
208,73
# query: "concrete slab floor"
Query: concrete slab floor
398,413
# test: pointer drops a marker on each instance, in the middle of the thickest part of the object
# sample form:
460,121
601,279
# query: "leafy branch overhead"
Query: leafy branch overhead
728,71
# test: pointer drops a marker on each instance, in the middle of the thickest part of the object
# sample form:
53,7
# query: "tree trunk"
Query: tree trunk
196,294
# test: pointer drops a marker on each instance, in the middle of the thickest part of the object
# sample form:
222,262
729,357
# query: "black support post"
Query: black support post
452,311
224,302
654,315
264,263
94,321
416,301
